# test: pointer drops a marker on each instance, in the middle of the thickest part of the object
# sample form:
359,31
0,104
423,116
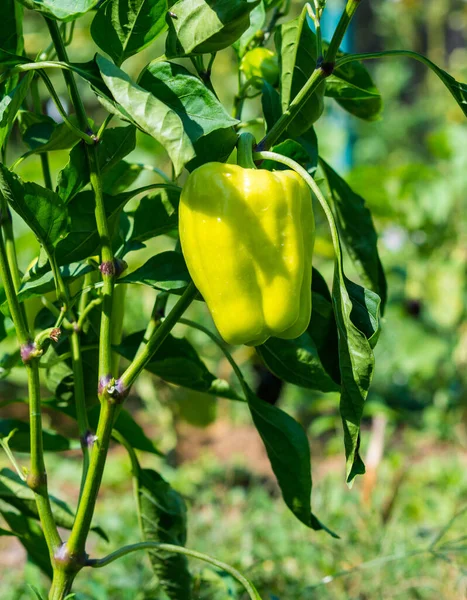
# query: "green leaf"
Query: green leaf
356,361
41,209
31,537
15,492
63,10
20,442
122,28
294,150
43,134
353,89
214,585
147,112
271,104
165,271
198,108
204,26
156,214
288,450
114,145
296,46
83,238
45,283
311,360
356,229
177,362
456,88
257,22
11,99
162,513
120,176
11,32
36,592
6,532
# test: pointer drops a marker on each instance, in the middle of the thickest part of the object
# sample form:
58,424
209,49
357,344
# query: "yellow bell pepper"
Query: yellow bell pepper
247,236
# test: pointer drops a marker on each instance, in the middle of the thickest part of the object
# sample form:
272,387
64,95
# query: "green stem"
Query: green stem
69,79
317,77
223,347
245,144
155,341
80,401
10,247
102,562
341,28
37,477
81,526
44,156
61,584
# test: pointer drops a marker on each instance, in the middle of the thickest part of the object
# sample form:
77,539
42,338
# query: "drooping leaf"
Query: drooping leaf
296,46
178,362
114,145
165,271
456,88
353,89
148,113
63,10
289,453
41,209
31,537
357,231
204,26
156,214
122,28
162,514
311,360
53,442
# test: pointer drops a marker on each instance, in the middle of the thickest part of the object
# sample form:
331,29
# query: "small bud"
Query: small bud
88,439
30,351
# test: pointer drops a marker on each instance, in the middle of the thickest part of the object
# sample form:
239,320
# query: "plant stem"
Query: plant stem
6,223
44,156
323,71
102,562
158,337
81,526
37,477
80,401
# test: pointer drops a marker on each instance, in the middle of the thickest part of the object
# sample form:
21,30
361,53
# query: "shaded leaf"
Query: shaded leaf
114,145
356,229
41,209
122,28
20,442
296,46
257,22
31,537
156,214
311,360
11,99
119,177
15,492
289,453
43,134
148,113
353,89
45,283
162,513
165,271
177,362
271,104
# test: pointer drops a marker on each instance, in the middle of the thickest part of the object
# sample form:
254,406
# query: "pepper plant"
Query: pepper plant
256,286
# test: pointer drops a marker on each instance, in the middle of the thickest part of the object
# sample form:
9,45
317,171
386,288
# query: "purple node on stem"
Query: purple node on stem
103,384
28,351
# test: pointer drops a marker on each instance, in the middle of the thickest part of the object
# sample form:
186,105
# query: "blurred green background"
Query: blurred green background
411,169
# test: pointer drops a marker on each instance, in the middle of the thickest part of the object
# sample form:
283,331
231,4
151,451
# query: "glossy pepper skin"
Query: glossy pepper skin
247,236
